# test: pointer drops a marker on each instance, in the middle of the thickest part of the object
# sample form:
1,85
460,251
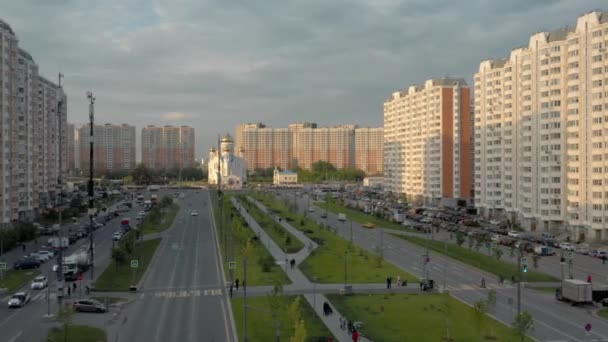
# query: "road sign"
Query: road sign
232,265
2,266
493,245
569,255
524,261
134,263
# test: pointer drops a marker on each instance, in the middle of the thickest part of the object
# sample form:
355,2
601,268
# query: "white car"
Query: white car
39,257
117,236
50,254
18,300
513,233
194,213
567,246
39,283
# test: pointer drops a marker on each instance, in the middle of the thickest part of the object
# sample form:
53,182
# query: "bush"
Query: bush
119,255
266,263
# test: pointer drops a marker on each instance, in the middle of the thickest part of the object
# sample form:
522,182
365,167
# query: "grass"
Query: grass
362,218
484,262
418,317
284,239
261,326
602,313
326,263
13,280
261,266
166,219
118,277
77,333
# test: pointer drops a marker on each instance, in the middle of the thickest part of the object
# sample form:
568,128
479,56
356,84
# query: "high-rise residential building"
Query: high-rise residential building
31,123
427,136
168,147
540,136
303,144
113,148
76,150
71,132
369,150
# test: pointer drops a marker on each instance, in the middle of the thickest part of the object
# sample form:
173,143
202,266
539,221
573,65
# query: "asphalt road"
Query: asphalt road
181,297
28,323
554,321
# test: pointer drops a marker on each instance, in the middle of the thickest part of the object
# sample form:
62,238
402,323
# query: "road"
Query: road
182,297
554,321
28,323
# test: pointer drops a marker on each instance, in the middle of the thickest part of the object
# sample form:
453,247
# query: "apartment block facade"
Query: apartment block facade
167,147
33,123
113,148
427,141
303,144
541,132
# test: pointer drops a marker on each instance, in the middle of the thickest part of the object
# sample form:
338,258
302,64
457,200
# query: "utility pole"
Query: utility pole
351,231
60,196
220,203
91,183
519,282
245,299
345,274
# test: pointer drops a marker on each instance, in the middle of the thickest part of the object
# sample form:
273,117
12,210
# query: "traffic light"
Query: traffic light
525,269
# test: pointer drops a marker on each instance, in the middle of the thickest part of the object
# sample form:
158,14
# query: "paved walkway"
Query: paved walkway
299,280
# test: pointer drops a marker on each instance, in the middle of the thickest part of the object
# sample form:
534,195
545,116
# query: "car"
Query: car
312,210
369,225
598,253
194,213
72,237
513,233
89,305
39,283
18,300
49,253
42,258
567,246
26,263
323,215
584,250
117,236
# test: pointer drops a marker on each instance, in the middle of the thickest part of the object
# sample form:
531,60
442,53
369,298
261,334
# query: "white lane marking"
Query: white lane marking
16,336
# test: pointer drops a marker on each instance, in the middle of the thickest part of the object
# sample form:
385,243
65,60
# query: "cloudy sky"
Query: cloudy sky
212,64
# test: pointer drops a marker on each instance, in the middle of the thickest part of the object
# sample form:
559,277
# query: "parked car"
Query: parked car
194,213
39,283
49,253
598,253
18,300
513,233
117,236
566,246
26,263
89,305
584,250
42,258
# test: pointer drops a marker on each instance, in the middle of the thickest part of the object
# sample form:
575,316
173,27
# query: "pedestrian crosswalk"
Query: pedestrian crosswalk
42,296
467,287
186,293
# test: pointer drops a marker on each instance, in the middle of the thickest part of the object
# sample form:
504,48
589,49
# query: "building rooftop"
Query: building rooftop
288,172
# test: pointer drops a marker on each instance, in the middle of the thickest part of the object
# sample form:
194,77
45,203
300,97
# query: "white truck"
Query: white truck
58,242
76,263
575,291
153,187
341,217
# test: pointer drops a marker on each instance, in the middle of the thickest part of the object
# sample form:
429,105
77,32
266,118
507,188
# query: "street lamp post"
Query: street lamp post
91,183
345,269
351,231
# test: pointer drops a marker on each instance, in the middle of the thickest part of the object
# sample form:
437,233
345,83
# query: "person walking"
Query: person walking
293,263
69,291
342,323
501,279
75,286
236,284
23,247
388,283
483,283
355,335
589,278
604,259
230,290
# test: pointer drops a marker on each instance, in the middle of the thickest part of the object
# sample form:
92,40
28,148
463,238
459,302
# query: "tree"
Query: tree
459,239
479,309
299,333
522,324
142,175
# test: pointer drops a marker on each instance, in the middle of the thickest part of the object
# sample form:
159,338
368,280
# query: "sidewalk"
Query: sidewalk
295,275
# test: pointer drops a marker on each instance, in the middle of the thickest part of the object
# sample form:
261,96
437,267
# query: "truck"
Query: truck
153,187
341,217
575,291
76,263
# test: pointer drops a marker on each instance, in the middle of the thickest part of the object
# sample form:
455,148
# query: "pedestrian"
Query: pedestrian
398,280
350,327
388,283
501,279
23,247
483,283
604,259
355,335
293,263
87,289
236,283
75,286
286,262
69,291
512,279
589,278
341,323
231,290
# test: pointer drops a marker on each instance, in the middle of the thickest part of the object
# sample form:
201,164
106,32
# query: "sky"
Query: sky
212,64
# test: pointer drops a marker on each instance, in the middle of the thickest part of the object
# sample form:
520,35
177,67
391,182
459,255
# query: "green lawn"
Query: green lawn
13,280
326,263
261,266
362,217
479,260
418,317
119,277
77,333
153,225
261,326
602,313
284,239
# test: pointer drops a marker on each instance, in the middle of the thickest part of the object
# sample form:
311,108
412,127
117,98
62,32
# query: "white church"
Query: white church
233,168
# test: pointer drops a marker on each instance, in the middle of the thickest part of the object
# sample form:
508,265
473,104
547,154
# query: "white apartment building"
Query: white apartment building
541,132
29,121
427,141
